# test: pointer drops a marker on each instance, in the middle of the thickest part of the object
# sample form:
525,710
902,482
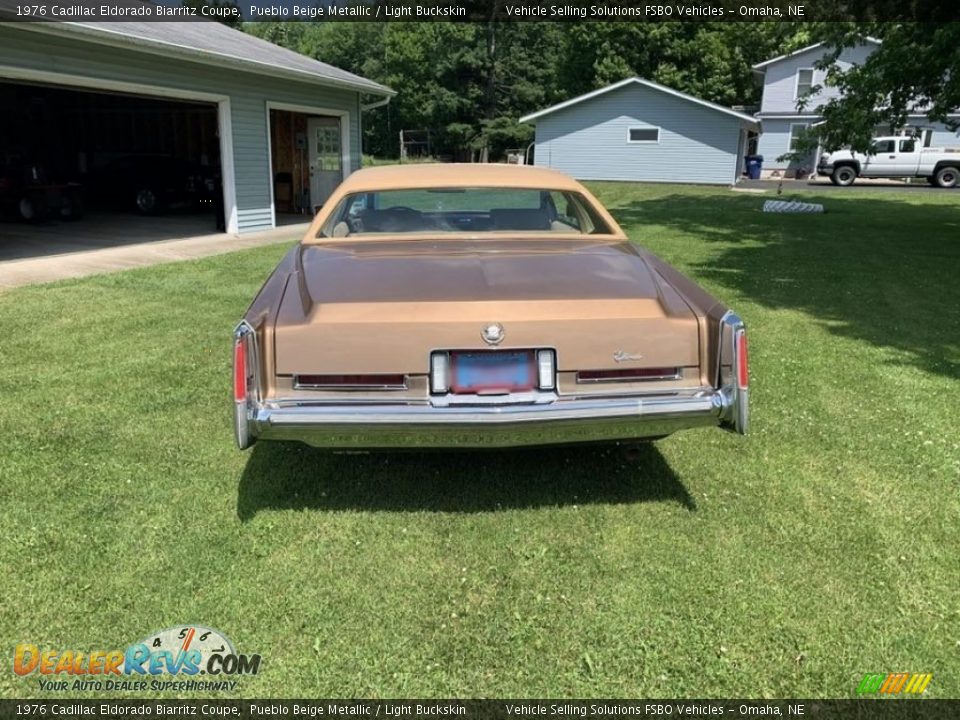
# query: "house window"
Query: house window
643,135
804,82
796,132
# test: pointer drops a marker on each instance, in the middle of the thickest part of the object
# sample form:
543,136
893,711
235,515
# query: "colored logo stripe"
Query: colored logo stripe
894,683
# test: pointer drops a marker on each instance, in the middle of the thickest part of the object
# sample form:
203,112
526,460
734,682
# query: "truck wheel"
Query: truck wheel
947,177
843,176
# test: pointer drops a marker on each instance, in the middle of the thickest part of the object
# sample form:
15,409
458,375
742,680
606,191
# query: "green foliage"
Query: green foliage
916,67
710,60
468,83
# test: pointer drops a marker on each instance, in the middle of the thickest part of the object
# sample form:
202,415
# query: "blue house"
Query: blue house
640,131
790,79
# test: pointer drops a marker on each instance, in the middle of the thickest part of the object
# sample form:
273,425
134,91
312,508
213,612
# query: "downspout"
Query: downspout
363,108
379,103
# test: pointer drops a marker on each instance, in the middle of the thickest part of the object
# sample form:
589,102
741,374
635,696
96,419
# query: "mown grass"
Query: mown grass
788,563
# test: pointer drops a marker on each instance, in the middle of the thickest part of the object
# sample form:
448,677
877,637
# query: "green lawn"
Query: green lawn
788,563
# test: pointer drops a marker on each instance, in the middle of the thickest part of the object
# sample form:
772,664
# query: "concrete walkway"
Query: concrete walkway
47,268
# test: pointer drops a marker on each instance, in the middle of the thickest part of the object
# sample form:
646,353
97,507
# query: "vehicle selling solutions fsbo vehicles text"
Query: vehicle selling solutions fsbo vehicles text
647,11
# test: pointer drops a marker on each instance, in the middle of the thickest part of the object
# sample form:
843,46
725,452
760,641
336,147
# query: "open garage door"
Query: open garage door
81,169
309,158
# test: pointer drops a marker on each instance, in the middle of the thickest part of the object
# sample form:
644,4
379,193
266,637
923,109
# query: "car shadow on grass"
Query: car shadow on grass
293,476
877,269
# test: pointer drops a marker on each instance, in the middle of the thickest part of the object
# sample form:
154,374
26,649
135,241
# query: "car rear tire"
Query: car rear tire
72,208
844,176
29,209
947,177
147,201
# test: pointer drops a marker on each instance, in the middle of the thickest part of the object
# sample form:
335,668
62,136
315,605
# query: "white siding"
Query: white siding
588,140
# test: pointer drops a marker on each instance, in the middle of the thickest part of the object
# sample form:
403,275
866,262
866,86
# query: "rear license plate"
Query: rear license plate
493,373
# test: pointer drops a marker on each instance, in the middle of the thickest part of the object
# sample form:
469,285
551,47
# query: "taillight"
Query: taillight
626,375
240,370
743,376
351,382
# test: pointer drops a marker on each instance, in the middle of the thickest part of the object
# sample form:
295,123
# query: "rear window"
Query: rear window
464,210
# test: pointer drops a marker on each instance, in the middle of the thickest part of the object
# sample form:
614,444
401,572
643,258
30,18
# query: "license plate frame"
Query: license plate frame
492,372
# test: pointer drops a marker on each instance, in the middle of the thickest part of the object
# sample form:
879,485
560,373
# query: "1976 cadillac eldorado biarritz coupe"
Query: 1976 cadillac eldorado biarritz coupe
479,306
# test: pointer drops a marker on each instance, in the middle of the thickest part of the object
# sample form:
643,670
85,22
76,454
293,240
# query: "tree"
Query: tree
469,83
709,60
915,69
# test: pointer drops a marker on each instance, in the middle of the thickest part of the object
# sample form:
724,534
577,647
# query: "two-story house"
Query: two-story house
790,78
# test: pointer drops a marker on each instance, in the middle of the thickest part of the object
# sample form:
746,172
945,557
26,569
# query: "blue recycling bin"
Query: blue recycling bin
754,163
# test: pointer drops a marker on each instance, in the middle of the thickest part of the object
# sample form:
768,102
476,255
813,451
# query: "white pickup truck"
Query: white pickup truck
895,156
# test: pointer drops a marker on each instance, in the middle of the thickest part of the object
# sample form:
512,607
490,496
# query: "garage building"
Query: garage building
265,130
641,131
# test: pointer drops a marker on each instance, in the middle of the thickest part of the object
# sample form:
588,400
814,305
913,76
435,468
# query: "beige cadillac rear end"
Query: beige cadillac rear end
460,325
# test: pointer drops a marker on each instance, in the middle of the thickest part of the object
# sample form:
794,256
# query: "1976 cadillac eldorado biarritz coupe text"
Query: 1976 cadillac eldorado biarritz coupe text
479,306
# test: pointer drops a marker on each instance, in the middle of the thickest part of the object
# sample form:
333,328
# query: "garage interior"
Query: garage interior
306,160
82,169
288,156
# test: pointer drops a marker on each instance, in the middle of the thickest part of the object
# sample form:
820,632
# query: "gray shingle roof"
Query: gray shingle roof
213,42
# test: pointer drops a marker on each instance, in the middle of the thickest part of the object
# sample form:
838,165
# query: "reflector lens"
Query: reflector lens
628,374
352,381
439,373
546,369
743,376
240,370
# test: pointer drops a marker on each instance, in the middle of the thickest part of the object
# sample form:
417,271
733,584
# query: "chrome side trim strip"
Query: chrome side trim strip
646,378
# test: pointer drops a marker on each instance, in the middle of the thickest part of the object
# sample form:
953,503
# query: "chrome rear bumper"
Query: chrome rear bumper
425,426
550,420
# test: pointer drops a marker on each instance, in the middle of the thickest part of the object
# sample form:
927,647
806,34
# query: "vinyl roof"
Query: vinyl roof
752,121
429,175
209,42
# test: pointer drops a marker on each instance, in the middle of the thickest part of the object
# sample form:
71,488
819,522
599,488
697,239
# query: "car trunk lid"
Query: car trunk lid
378,307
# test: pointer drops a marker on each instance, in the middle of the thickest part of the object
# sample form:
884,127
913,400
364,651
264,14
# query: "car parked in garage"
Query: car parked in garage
28,193
151,184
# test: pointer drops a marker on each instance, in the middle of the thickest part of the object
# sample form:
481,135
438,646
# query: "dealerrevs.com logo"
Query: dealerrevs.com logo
172,659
